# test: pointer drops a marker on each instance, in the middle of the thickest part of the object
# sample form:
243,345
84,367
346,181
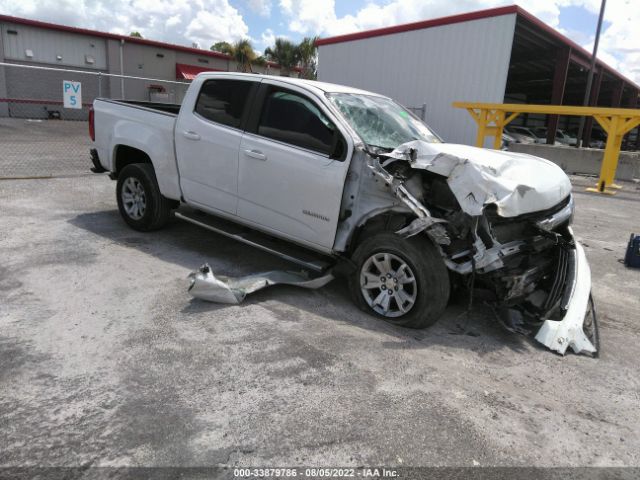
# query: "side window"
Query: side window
294,119
223,101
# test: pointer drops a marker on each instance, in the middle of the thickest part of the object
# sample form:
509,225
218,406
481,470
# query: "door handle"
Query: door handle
191,135
257,154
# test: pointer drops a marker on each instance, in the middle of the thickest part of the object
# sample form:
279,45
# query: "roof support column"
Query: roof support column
557,92
633,103
616,95
593,101
638,130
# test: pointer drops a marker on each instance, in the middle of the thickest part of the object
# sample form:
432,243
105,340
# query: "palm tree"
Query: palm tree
244,55
309,57
242,52
285,53
260,61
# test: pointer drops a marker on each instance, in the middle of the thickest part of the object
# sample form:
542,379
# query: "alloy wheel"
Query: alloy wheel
388,284
133,198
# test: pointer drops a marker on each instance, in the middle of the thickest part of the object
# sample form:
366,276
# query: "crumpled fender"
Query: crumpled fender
221,289
515,183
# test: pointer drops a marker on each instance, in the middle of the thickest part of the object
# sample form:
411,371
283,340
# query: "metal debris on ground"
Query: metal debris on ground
222,289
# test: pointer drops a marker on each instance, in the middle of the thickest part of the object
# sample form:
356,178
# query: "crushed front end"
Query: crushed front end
502,222
540,279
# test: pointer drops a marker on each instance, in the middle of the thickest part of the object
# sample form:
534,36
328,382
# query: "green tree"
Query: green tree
285,53
244,55
222,47
309,57
135,33
242,52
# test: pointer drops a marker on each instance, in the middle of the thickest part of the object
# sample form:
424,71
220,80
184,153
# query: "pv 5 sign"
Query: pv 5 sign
72,94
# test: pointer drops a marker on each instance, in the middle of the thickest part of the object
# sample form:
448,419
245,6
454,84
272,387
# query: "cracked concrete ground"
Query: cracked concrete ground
106,360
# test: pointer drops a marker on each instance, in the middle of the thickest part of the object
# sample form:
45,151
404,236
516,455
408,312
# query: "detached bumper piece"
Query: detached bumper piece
559,335
97,167
220,289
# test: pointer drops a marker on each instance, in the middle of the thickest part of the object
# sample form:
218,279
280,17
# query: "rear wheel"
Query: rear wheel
140,202
401,280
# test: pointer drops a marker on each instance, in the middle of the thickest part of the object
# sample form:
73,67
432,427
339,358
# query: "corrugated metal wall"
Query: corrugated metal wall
34,93
459,62
47,45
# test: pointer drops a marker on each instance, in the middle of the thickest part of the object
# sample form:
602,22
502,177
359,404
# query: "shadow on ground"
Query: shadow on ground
189,246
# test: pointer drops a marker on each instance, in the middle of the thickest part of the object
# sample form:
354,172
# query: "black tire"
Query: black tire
428,268
156,209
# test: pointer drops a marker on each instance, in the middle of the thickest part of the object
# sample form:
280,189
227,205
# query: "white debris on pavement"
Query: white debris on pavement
222,289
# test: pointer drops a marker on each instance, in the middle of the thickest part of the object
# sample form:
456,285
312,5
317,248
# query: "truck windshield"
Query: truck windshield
381,122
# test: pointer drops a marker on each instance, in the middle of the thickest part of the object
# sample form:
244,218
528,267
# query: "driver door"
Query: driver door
287,182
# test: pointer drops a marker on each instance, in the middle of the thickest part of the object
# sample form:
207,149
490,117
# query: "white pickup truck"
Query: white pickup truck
329,176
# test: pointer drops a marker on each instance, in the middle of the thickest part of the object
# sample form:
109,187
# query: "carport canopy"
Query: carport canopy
548,68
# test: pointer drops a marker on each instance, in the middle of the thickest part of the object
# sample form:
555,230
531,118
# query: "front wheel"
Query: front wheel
402,280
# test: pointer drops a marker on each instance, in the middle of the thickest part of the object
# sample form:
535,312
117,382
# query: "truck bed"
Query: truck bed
147,127
172,108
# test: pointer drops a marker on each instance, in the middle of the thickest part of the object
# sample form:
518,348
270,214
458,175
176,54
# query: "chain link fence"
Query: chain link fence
39,137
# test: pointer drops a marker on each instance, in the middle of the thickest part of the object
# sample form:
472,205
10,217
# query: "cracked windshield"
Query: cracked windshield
381,123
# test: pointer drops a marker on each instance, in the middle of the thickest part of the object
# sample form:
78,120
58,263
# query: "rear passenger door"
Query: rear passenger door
287,182
208,135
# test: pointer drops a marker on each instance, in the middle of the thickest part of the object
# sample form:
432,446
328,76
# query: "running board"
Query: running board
266,243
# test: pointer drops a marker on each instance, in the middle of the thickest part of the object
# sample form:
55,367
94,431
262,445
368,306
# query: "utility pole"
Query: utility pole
592,67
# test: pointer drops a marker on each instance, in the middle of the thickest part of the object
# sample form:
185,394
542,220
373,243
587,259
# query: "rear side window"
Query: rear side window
294,119
223,101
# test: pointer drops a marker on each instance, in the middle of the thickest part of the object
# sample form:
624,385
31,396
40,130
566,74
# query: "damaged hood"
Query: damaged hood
516,183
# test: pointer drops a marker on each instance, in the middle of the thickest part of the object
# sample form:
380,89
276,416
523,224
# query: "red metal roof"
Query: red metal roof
189,72
407,27
466,17
112,36
126,38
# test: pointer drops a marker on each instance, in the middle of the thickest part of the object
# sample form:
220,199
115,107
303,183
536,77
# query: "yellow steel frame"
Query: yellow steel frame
491,119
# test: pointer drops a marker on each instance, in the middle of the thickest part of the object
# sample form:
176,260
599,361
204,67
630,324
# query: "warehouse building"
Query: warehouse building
500,55
38,94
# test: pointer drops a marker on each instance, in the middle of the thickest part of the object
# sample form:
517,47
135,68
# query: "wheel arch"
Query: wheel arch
124,155
389,219
147,142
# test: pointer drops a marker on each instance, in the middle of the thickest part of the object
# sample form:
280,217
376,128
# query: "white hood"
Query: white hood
516,183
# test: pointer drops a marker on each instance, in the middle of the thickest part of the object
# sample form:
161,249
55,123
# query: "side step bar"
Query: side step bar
294,254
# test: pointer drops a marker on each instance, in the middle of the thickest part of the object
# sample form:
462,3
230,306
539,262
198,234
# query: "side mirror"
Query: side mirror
338,145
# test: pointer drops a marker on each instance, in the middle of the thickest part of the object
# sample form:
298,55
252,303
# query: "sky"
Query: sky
204,22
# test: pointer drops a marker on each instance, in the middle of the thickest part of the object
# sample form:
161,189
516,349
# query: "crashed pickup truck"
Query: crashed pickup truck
356,180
